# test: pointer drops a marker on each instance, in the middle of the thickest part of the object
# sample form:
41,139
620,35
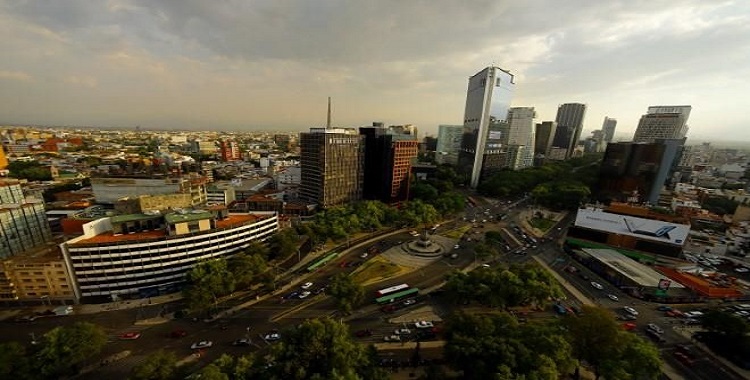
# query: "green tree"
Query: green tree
417,213
31,170
257,248
14,361
246,269
64,349
206,283
347,293
161,365
636,359
725,324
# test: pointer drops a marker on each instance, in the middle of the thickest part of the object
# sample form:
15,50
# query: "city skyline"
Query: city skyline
228,67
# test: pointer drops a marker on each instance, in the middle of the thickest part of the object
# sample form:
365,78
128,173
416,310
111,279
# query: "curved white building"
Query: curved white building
146,255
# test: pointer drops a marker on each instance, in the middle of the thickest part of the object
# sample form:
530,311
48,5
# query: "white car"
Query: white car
392,338
202,344
655,328
424,325
363,255
307,285
630,310
456,246
613,297
303,295
597,285
741,270
402,331
270,337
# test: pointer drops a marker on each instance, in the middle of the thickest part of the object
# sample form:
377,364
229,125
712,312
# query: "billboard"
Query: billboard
646,229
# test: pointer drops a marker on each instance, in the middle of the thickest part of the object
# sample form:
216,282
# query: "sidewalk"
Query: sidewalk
565,284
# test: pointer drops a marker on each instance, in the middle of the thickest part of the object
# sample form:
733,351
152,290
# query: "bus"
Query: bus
320,262
397,296
392,289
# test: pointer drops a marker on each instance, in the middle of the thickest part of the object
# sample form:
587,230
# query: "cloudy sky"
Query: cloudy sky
270,64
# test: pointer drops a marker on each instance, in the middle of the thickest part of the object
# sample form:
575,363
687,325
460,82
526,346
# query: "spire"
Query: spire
328,123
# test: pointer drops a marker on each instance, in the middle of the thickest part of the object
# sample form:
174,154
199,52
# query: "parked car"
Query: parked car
629,326
424,325
630,310
201,345
653,327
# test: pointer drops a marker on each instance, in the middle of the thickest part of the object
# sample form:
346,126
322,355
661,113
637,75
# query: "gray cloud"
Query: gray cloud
240,64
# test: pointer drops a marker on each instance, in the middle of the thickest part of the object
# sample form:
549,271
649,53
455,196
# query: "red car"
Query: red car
628,326
133,335
178,334
682,358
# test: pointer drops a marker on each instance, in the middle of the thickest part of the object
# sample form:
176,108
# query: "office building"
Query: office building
448,144
663,122
488,99
608,127
144,255
388,157
569,126
23,221
543,135
332,166
41,277
108,190
521,137
230,151
637,172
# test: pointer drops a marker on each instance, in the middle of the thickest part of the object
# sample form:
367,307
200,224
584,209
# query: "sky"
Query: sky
271,64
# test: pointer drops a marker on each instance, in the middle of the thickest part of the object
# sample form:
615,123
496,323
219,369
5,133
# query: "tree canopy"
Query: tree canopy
161,365
64,349
347,293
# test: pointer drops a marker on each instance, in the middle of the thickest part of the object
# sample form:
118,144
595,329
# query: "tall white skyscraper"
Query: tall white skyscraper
663,122
521,134
488,100
449,144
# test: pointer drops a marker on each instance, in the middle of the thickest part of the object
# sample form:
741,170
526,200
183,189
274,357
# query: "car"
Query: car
343,264
303,295
272,336
613,297
292,295
178,334
424,325
402,331
392,338
320,289
414,233
485,265
597,285
409,302
682,358
664,308
627,317
456,246
629,326
363,333
389,308
363,255
201,345
653,327
655,336
130,335
674,313
241,342
741,270
630,311
306,285
454,255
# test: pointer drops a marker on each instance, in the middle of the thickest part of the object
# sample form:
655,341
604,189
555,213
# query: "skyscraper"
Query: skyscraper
545,131
663,122
388,156
521,135
448,144
569,126
332,166
608,127
23,222
488,98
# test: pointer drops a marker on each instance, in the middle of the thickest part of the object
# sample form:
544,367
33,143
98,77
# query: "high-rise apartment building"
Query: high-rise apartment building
23,221
488,98
543,135
608,127
389,153
230,151
569,126
521,135
663,122
631,168
332,166
448,144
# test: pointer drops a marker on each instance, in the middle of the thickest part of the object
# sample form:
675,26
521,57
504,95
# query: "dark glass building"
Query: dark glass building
388,158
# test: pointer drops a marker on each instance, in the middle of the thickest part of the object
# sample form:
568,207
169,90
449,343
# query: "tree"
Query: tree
14,362
318,349
725,324
347,293
246,269
64,349
416,213
206,282
161,365
284,243
636,359
257,248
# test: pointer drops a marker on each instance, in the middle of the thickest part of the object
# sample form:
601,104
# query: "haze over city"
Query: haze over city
270,65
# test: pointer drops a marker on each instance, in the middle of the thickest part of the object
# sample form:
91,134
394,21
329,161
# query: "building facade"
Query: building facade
449,144
108,190
488,99
40,278
23,221
543,135
521,135
608,127
569,121
663,122
140,256
332,166
230,151
388,158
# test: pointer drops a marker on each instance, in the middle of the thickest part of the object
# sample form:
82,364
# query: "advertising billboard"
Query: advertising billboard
646,229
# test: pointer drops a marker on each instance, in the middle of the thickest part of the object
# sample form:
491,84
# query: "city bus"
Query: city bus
390,290
397,296
322,261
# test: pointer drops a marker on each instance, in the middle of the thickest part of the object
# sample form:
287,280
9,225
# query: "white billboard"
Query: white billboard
646,229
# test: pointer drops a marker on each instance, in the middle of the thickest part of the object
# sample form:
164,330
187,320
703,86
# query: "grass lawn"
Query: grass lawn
542,224
457,233
374,270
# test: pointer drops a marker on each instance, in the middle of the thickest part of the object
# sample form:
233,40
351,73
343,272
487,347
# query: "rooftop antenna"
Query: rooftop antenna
328,122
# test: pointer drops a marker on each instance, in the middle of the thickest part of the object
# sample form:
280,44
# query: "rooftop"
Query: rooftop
639,273
189,216
117,219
